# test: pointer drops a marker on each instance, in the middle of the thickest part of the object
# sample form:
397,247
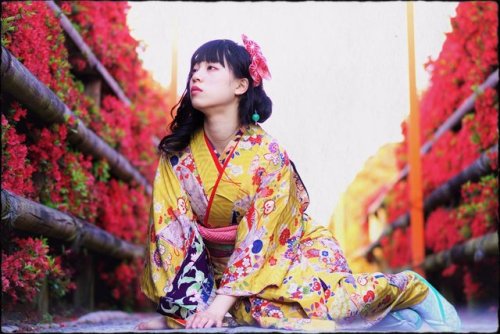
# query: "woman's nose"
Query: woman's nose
196,76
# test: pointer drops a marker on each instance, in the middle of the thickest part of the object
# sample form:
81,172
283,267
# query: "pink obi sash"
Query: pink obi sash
222,235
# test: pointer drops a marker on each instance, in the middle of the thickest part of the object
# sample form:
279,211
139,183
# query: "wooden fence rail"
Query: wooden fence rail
26,215
18,81
87,52
480,167
466,106
473,250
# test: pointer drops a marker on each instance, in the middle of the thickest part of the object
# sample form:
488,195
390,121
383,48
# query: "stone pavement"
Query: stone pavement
121,322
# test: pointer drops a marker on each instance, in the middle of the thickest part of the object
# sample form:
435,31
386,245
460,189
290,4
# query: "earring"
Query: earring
255,117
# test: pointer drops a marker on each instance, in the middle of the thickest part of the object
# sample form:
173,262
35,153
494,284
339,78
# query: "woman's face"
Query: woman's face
213,87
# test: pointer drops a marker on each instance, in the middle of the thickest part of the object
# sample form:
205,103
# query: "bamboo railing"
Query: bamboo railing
18,81
87,52
473,250
480,167
452,121
26,215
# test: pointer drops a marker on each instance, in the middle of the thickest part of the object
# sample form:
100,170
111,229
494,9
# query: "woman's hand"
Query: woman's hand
213,315
205,319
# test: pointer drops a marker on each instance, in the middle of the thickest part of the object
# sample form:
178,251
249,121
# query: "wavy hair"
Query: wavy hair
188,119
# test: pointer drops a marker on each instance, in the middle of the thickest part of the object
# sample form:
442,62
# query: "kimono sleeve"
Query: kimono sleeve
268,235
170,231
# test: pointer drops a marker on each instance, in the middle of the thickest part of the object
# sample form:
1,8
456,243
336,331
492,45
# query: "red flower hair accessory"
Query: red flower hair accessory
258,67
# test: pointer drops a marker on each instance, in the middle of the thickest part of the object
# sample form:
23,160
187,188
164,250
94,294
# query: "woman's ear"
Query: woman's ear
242,86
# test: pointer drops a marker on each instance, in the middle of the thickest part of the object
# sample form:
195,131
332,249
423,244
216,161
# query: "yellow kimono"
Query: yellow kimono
288,271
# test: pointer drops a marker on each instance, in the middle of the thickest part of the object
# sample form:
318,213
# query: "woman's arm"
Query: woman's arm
213,315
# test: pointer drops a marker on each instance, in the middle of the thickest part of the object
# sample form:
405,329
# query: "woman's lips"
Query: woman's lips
196,89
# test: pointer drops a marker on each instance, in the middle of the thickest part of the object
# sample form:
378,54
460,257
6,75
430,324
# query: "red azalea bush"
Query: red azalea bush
443,230
397,201
27,265
396,248
468,57
123,282
37,161
479,206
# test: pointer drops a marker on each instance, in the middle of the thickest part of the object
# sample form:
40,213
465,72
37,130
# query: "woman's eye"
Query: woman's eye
210,67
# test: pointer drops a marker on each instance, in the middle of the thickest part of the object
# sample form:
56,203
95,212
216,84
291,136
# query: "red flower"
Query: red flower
284,236
369,296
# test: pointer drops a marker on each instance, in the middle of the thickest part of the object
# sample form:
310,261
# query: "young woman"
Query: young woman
228,230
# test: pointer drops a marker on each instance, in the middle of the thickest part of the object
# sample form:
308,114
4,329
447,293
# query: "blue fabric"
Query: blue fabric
436,310
406,320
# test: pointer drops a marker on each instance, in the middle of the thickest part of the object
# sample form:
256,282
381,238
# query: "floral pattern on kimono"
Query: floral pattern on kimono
181,285
287,270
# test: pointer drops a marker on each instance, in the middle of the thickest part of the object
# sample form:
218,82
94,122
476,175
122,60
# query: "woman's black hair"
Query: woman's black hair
188,119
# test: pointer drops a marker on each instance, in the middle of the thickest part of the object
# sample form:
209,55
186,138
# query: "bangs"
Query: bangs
212,52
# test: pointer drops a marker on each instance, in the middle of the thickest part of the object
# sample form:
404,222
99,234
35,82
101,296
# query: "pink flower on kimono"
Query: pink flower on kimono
307,242
269,207
266,192
275,158
290,254
181,203
275,313
273,147
362,280
312,253
297,294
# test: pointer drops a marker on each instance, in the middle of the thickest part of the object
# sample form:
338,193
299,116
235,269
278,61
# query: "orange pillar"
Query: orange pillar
415,165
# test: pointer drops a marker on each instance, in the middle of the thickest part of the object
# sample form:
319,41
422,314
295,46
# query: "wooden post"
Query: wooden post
42,300
93,89
84,296
415,171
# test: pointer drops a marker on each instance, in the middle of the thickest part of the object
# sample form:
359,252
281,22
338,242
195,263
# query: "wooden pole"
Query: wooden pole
472,250
465,107
26,215
87,52
415,171
18,81
480,167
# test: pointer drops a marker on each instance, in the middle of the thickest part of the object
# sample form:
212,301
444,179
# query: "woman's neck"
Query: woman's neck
220,129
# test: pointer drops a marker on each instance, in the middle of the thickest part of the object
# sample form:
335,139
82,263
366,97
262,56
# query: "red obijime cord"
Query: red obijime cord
223,235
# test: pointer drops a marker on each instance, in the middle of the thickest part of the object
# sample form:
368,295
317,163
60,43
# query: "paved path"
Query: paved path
121,322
